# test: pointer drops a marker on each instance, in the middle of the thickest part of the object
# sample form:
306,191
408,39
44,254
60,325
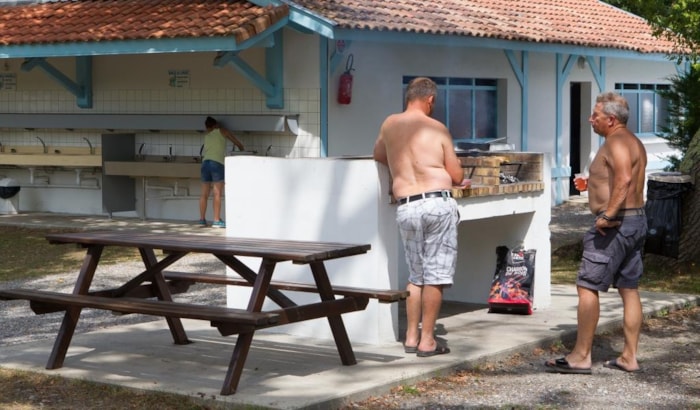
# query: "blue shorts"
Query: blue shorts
428,229
614,259
212,171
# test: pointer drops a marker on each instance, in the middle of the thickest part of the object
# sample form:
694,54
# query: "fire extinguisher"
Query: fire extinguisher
345,86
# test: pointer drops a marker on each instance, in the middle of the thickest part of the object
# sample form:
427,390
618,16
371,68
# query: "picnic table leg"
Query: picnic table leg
174,323
342,342
72,315
235,367
240,352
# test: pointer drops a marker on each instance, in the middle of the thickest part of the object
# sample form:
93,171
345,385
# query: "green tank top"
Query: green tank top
214,146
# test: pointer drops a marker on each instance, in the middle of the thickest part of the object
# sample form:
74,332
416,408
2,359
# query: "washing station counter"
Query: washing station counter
59,156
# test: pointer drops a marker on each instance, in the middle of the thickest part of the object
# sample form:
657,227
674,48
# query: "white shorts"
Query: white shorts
429,232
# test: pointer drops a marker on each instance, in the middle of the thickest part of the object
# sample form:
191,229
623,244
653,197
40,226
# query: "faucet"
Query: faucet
170,156
92,150
267,151
140,155
43,144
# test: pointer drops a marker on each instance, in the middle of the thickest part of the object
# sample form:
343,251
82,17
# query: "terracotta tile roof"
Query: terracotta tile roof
587,23
109,20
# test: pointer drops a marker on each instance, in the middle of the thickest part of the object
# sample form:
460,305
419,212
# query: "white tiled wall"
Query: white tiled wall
305,102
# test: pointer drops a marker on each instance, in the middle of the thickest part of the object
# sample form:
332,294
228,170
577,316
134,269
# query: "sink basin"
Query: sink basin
58,156
162,169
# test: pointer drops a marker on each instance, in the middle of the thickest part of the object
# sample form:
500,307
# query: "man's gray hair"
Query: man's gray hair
614,105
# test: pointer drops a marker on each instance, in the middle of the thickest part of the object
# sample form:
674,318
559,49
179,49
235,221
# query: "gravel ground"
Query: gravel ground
670,377
669,354
669,350
18,324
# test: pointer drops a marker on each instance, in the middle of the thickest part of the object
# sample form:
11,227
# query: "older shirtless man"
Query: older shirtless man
612,248
421,158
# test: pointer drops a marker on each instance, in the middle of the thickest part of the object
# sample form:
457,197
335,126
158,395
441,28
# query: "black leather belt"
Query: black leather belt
626,212
424,195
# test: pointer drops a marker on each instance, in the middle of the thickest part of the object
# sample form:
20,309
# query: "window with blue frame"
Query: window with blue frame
648,110
467,106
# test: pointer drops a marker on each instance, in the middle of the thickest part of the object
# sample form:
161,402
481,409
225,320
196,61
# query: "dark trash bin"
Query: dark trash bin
663,209
9,200
8,188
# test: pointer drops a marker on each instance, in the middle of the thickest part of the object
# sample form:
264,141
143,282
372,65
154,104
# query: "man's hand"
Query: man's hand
466,183
601,224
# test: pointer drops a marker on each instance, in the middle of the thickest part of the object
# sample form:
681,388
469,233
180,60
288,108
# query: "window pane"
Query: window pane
632,123
661,113
440,107
647,113
485,114
460,123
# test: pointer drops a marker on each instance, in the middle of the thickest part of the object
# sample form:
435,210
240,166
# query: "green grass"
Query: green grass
26,254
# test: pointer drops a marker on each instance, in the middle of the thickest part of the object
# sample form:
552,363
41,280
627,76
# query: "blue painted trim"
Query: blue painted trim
563,70
598,71
83,74
246,70
81,89
274,71
522,74
480,42
317,24
323,69
561,172
151,46
272,85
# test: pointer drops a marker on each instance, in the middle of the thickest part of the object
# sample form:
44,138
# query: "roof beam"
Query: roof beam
272,83
81,88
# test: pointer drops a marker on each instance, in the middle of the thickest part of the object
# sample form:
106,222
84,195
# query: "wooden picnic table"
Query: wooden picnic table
150,291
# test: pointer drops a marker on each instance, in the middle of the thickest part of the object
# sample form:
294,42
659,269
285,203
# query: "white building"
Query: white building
125,78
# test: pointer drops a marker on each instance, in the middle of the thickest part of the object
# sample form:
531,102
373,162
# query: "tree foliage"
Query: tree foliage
683,111
676,20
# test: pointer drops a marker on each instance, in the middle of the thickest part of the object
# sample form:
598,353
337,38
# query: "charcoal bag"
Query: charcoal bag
511,289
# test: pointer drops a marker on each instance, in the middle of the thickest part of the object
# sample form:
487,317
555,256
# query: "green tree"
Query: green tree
676,20
683,112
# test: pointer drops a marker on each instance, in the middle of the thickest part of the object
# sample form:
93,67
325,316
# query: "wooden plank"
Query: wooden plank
143,306
384,296
280,250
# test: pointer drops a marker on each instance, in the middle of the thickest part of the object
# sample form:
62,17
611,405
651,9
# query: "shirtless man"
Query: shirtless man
612,247
423,165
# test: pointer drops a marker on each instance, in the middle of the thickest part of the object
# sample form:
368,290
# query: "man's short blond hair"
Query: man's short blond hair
420,88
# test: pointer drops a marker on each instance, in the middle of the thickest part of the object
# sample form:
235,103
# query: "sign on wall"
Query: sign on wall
179,78
8,81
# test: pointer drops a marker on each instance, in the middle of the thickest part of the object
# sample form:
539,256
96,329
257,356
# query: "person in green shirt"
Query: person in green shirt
212,171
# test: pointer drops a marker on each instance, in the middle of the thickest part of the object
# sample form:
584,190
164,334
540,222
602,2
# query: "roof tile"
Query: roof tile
109,20
589,23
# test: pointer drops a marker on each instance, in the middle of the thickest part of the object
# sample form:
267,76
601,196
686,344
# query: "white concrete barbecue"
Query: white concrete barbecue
347,200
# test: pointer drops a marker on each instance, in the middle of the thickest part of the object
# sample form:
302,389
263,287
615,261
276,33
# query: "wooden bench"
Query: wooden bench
383,296
62,301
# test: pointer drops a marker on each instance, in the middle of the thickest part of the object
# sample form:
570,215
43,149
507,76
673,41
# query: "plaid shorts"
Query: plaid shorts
429,232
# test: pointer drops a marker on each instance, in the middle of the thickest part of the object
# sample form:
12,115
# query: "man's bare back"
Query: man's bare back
419,152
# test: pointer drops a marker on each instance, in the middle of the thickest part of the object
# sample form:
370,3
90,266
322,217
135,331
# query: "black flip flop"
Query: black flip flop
439,349
562,366
612,364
